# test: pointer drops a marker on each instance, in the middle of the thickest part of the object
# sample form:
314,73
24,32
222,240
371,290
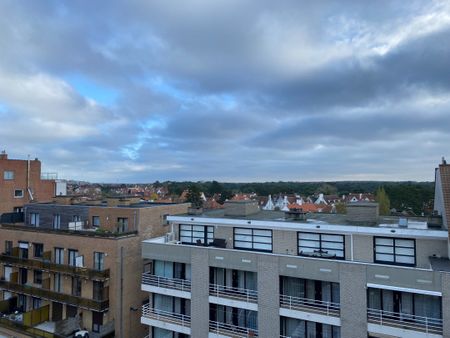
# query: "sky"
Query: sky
231,90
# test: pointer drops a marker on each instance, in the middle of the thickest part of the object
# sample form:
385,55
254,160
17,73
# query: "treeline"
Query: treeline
415,196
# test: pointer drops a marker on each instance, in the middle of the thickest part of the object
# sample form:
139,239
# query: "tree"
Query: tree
383,200
225,195
215,188
194,196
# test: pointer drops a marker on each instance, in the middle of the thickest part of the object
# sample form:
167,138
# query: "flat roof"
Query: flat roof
316,222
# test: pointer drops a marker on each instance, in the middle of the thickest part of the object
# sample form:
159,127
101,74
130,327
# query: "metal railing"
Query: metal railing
166,282
166,316
310,305
47,265
223,291
91,304
231,330
405,321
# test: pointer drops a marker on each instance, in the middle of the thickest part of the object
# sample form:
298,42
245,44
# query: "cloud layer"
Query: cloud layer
233,90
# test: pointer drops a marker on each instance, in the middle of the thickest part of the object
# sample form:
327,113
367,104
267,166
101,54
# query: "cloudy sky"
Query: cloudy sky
233,90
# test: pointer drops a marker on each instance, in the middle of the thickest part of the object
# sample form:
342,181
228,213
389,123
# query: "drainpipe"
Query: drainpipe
121,292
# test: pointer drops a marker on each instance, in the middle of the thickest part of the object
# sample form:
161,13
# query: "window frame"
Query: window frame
99,261
8,175
253,239
94,225
36,252
34,219
38,276
21,193
206,240
394,254
321,248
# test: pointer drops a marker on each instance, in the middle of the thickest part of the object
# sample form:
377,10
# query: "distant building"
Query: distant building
22,182
74,265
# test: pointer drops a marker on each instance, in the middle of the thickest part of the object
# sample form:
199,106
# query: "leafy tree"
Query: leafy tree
341,208
383,200
194,196
215,188
225,195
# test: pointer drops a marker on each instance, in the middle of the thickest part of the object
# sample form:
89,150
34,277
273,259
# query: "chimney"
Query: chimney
444,162
3,155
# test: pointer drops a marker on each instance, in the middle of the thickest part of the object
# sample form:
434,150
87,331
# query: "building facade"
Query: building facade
77,266
22,182
241,272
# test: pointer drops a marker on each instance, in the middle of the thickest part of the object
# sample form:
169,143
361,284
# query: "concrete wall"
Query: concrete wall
353,301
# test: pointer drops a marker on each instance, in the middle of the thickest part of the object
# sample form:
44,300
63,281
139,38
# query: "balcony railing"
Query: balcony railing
223,291
310,305
50,266
166,282
166,316
405,321
91,304
231,330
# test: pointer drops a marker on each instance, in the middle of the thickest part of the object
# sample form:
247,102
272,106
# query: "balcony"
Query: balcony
243,295
176,319
91,304
231,330
166,282
405,321
310,305
60,268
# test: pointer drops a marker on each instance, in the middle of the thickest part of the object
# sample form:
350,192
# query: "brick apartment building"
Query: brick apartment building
74,265
22,182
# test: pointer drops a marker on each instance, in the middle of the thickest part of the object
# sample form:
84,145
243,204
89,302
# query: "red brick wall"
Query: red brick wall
43,190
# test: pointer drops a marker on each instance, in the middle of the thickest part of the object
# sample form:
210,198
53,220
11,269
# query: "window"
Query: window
8,175
37,277
72,259
99,260
76,218
59,255
18,193
395,251
253,239
56,221
23,250
34,219
76,286
8,248
38,250
97,321
321,245
122,224
57,282
96,221
23,275
36,303
97,290
196,234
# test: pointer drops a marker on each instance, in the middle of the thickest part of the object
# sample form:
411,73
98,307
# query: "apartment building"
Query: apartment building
74,265
243,272
22,182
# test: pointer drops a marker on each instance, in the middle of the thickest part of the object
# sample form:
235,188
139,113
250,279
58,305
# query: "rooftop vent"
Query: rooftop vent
402,222
295,215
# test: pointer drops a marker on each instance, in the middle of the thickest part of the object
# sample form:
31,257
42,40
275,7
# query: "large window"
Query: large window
321,245
395,251
253,239
8,248
196,234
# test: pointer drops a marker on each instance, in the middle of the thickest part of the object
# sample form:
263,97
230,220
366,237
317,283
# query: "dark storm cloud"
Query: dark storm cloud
231,90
